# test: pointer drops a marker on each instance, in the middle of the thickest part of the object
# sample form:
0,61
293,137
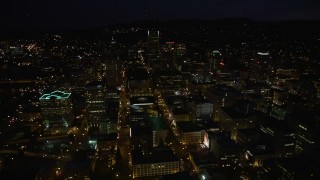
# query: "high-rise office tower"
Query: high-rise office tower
153,46
56,111
215,62
113,69
102,111
95,96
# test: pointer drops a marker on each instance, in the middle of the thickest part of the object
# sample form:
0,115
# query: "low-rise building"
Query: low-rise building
161,161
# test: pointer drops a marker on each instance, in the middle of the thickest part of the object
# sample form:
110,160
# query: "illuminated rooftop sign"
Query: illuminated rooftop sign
56,95
263,53
215,53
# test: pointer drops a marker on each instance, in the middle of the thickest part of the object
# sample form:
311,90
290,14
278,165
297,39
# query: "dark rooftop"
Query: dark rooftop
138,73
199,99
95,84
157,123
141,129
226,142
159,154
142,100
233,113
249,132
189,126
179,111
223,90
108,137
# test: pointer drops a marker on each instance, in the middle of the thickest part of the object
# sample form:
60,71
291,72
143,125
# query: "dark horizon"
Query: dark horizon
147,22
48,16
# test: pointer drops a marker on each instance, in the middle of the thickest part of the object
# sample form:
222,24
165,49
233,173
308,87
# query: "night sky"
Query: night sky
73,14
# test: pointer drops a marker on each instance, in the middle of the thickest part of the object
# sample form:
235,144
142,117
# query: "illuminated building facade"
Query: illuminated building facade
190,133
155,169
109,125
56,111
215,62
95,96
171,82
161,161
113,69
153,46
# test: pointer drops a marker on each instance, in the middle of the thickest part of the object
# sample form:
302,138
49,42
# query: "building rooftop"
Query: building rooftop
108,137
55,95
142,100
141,129
224,90
175,100
249,132
260,149
297,167
209,124
179,111
256,85
199,99
221,173
225,142
167,72
157,123
78,165
158,155
95,84
215,53
203,157
276,125
138,73
179,175
234,113
189,126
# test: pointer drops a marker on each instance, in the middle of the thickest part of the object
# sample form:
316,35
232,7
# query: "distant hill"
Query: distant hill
294,28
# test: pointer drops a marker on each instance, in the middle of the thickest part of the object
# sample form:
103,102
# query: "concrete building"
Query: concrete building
226,151
180,115
232,119
113,69
161,161
190,133
201,108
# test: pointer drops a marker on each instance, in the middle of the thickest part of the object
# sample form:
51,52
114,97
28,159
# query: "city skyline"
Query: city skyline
198,99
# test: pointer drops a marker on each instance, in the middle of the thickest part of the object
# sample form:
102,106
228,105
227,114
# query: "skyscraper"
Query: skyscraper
215,62
95,96
102,111
113,70
153,46
56,111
